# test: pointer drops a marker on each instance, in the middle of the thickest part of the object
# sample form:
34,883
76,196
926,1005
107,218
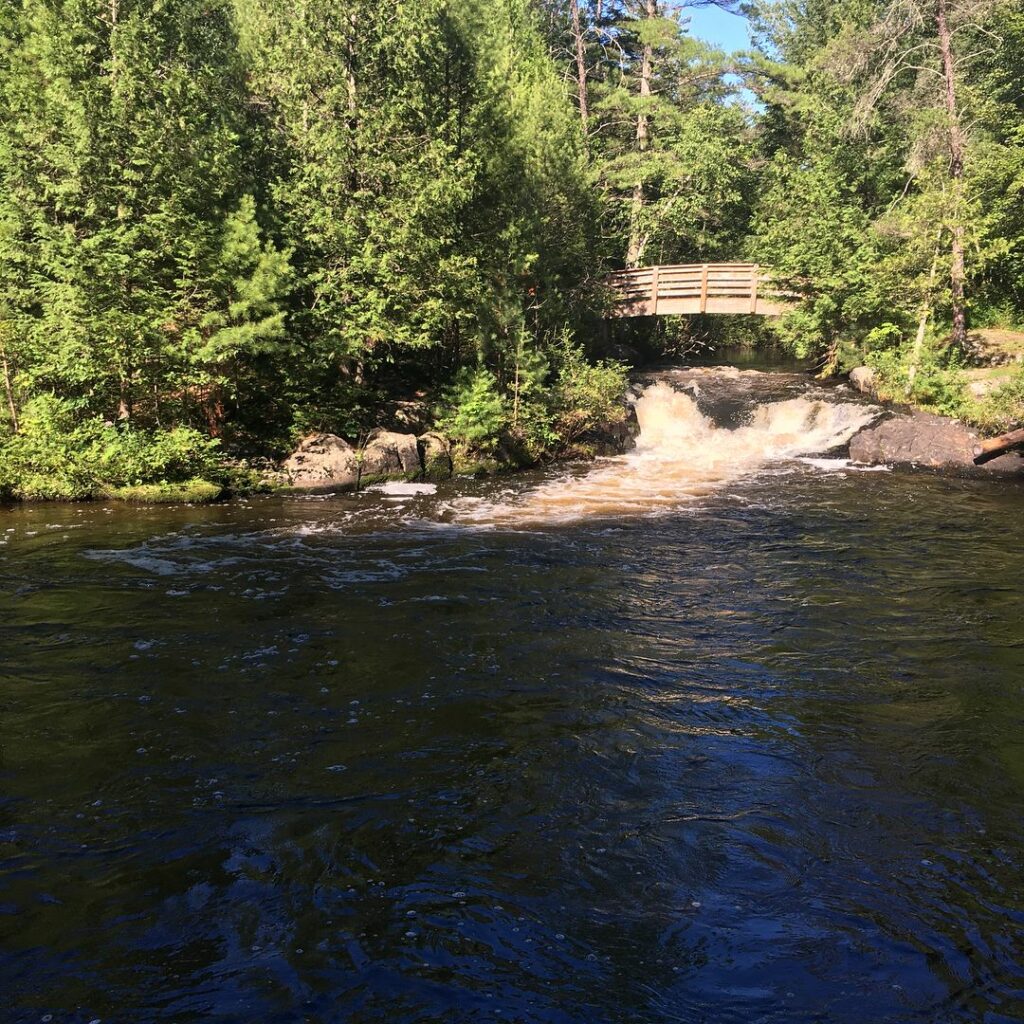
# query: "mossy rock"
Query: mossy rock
370,479
470,466
436,456
193,492
438,469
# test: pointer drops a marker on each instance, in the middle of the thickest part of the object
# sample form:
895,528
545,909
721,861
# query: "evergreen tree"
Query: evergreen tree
122,169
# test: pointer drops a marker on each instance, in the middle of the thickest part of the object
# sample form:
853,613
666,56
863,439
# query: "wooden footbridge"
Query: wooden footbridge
694,288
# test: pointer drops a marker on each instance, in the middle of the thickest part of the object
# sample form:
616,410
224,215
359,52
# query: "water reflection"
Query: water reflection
761,761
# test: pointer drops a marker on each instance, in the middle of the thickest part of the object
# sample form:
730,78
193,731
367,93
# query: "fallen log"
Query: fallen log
996,446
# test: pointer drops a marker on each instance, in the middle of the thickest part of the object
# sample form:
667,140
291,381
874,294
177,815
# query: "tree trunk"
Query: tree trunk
124,401
12,408
956,173
989,450
635,251
922,324
351,87
581,61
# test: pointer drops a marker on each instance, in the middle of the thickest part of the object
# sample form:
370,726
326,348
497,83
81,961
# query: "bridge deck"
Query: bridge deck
689,289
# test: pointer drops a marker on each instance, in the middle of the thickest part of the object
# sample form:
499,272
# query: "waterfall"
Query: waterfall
682,455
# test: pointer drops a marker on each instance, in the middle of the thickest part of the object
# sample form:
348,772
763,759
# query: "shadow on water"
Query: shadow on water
757,758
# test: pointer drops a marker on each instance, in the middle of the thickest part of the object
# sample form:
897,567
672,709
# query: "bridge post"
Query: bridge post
704,288
755,275
653,306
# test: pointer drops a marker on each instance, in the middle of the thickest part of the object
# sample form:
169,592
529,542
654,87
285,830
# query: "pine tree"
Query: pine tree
120,168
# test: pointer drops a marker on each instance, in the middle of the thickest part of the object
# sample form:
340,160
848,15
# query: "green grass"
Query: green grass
195,492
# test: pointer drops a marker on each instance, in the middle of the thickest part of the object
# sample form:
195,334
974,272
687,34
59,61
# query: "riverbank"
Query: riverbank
550,410
916,436
898,436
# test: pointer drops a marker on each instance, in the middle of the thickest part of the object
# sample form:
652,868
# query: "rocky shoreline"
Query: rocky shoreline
325,463
408,449
901,438
907,438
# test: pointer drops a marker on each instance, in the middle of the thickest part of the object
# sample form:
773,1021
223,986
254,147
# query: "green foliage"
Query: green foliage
54,457
674,155
863,207
253,219
549,405
584,396
473,410
227,222
1002,409
193,492
60,455
250,279
811,229
938,384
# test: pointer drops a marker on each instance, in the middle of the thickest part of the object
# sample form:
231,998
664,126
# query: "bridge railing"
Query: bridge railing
695,288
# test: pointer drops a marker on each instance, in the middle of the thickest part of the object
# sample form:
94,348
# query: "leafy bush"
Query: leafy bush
555,400
59,455
473,410
1001,314
938,384
46,460
585,395
1002,409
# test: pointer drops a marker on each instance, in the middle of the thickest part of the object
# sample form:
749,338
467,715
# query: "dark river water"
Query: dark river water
758,757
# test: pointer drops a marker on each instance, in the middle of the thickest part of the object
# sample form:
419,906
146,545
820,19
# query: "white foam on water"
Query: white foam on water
398,489
681,456
843,465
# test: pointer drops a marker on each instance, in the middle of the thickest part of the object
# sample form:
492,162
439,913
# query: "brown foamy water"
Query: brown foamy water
681,455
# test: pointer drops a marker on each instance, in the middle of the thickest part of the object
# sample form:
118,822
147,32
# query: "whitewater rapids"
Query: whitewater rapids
681,455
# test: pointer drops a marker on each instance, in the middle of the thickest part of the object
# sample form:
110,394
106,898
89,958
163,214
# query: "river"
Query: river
723,730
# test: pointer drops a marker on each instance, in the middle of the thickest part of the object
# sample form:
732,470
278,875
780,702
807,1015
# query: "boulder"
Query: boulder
388,454
864,380
436,456
923,439
981,389
322,462
625,354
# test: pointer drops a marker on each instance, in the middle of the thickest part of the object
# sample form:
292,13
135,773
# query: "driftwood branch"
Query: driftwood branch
992,449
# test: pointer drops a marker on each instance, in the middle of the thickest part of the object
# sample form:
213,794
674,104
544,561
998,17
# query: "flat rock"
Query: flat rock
923,439
322,462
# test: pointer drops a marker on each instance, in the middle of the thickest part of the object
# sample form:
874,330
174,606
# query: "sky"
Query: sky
728,31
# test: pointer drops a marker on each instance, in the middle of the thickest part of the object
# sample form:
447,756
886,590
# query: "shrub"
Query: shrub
473,410
60,456
133,457
1002,409
556,400
585,395
939,383
45,460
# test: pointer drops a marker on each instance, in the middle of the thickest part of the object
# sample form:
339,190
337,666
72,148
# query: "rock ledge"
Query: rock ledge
922,439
